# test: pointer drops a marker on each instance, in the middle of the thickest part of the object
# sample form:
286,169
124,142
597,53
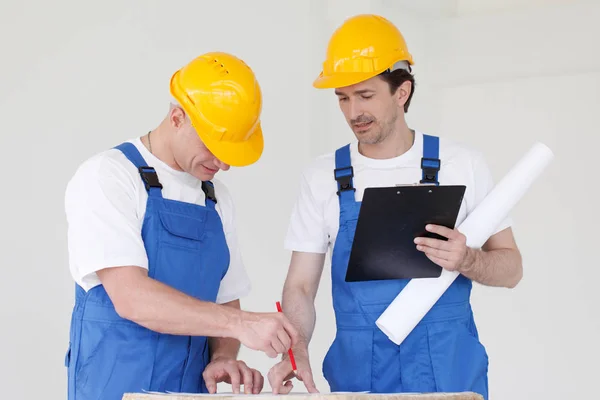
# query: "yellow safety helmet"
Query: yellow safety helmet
362,47
223,100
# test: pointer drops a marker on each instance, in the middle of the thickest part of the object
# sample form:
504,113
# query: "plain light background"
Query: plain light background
79,77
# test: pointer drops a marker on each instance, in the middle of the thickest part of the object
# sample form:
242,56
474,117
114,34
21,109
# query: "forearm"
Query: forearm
499,267
299,292
163,309
225,347
299,308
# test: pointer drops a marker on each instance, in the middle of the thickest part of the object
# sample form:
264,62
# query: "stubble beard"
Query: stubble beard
378,137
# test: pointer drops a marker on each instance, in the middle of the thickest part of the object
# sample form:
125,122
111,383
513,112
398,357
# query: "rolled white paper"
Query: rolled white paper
420,295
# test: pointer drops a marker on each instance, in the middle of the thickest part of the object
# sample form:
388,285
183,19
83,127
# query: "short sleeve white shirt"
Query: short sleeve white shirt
314,221
105,203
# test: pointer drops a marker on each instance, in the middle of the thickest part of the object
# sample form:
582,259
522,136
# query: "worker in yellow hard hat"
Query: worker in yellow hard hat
154,253
371,71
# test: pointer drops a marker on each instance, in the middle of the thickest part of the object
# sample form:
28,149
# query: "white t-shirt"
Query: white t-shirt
105,203
314,221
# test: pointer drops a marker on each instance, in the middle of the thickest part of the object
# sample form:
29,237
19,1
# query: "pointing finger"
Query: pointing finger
309,383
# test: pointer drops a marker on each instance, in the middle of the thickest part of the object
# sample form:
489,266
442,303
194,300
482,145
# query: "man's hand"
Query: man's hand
281,374
271,333
453,254
234,372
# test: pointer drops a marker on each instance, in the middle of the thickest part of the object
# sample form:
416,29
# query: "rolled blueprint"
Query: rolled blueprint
419,295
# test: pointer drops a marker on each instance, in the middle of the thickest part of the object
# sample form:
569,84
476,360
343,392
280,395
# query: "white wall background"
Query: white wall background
78,77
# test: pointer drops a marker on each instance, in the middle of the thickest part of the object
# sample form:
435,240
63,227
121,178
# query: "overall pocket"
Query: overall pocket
459,360
376,293
185,231
113,358
347,366
192,254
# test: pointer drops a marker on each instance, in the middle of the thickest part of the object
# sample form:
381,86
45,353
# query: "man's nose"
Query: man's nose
221,165
355,109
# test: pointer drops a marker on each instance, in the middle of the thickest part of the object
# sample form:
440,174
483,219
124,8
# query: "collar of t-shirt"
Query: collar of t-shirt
159,165
410,158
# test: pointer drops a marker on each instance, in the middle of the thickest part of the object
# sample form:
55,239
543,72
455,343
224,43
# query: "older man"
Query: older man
154,253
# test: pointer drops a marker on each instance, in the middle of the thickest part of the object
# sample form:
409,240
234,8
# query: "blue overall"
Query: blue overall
442,354
187,250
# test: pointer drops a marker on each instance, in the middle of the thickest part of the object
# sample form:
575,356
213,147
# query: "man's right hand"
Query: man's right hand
271,333
281,374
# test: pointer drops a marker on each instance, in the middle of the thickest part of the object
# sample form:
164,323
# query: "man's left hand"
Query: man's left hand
452,254
234,372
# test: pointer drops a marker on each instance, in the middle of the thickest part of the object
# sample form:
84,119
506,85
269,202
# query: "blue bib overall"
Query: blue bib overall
442,354
187,250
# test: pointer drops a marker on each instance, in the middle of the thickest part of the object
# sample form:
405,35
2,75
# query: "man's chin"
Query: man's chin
364,138
202,175
205,174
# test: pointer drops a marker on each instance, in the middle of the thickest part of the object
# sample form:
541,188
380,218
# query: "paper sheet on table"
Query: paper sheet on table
419,296
264,394
149,395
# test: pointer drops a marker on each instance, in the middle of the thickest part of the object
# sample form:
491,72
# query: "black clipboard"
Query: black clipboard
389,220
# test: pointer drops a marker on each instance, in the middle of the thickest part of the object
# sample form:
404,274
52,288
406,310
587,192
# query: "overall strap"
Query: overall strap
209,191
343,174
147,173
430,163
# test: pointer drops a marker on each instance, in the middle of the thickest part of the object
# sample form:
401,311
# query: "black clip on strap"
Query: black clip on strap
209,191
344,179
430,167
149,177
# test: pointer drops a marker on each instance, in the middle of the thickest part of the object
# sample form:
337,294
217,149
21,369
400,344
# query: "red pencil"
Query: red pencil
290,353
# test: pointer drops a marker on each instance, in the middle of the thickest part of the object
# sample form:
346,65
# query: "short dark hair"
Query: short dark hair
396,78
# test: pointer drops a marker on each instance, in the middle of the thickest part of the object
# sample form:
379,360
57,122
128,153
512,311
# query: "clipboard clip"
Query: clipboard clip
344,176
430,167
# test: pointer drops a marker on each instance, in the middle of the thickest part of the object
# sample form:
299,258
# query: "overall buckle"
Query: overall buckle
209,191
150,178
344,178
430,167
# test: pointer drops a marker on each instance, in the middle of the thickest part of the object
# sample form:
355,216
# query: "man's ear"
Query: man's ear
403,93
177,117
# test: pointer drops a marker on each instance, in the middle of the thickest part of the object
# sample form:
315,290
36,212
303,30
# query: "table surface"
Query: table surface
307,396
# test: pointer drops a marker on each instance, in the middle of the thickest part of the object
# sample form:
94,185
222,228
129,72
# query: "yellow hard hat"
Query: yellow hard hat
223,100
362,47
